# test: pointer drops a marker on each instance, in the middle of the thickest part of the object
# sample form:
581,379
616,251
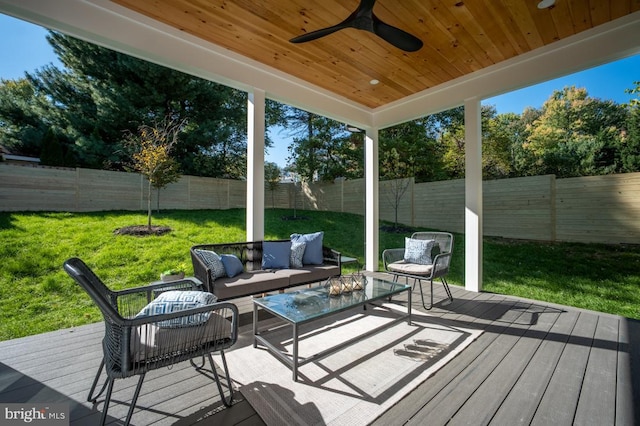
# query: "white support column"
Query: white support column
255,165
371,200
473,195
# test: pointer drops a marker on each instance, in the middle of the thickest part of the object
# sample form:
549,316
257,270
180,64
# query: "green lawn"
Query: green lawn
37,296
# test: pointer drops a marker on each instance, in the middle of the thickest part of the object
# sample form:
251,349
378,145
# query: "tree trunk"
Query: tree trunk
149,207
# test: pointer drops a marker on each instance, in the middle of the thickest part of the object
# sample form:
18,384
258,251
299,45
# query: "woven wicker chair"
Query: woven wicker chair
395,264
135,345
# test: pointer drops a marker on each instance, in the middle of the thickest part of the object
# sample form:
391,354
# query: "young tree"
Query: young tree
272,179
397,172
151,157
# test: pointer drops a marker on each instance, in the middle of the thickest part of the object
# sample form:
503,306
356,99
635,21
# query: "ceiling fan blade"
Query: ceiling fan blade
364,19
319,33
397,37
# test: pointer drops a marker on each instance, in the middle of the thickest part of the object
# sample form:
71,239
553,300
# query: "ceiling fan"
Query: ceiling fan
363,18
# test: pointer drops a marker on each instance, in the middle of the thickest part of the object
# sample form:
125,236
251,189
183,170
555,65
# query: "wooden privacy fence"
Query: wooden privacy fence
587,209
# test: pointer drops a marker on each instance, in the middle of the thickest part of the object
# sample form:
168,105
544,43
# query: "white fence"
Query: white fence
587,209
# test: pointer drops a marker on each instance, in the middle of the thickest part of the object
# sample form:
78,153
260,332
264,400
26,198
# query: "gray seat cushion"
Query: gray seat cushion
410,268
247,283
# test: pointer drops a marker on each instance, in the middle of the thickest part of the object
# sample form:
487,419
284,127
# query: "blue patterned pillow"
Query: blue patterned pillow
418,251
297,251
175,301
212,261
232,265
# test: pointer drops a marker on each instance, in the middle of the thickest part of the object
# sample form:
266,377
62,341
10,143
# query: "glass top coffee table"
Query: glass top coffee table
303,306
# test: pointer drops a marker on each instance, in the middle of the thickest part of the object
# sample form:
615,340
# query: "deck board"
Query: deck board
523,399
597,396
535,363
559,403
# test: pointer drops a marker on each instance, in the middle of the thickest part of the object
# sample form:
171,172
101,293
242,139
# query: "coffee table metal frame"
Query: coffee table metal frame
375,289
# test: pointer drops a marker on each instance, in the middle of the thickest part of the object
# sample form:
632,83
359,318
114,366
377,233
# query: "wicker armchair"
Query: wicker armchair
135,344
395,263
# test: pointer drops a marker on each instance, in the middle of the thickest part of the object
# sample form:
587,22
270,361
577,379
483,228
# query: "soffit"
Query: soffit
460,37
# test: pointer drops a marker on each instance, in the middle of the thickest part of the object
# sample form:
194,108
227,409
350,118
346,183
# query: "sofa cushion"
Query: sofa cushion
313,250
248,283
418,251
276,254
232,265
297,252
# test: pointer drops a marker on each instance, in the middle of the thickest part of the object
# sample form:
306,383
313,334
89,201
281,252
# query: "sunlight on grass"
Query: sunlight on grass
37,296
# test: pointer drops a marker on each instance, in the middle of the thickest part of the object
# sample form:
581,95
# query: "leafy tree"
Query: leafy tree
322,149
576,135
630,144
22,122
100,95
152,148
496,155
415,145
497,133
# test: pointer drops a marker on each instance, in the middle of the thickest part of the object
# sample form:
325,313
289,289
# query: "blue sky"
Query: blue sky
23,48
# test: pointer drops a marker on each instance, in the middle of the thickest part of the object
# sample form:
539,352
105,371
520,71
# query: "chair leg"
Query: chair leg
91,397
107,399
225,401
134,400
446,288
422,295
197,367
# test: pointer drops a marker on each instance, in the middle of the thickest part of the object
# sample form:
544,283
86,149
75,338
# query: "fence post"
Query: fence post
552,205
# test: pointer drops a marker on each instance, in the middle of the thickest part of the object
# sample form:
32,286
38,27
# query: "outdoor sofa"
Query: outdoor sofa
256,267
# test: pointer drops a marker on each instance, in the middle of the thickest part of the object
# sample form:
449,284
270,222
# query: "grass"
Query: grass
37,296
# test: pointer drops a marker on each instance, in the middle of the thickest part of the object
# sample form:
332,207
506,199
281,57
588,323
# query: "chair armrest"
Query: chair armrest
330,255
392,255
201,272
441,265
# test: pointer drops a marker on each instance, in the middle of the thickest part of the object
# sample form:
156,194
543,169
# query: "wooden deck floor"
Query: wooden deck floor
535,363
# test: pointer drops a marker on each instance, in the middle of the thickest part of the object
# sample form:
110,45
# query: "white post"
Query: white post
371,200
473,195
255,165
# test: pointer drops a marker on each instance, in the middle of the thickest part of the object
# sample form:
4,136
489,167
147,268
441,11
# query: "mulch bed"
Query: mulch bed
142,230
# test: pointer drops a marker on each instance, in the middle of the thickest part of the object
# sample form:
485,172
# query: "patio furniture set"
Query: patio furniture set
165,323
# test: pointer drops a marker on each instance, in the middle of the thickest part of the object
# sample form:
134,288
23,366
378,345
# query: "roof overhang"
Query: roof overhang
118,28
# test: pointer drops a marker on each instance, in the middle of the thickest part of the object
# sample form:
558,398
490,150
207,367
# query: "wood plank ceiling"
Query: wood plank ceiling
459,37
